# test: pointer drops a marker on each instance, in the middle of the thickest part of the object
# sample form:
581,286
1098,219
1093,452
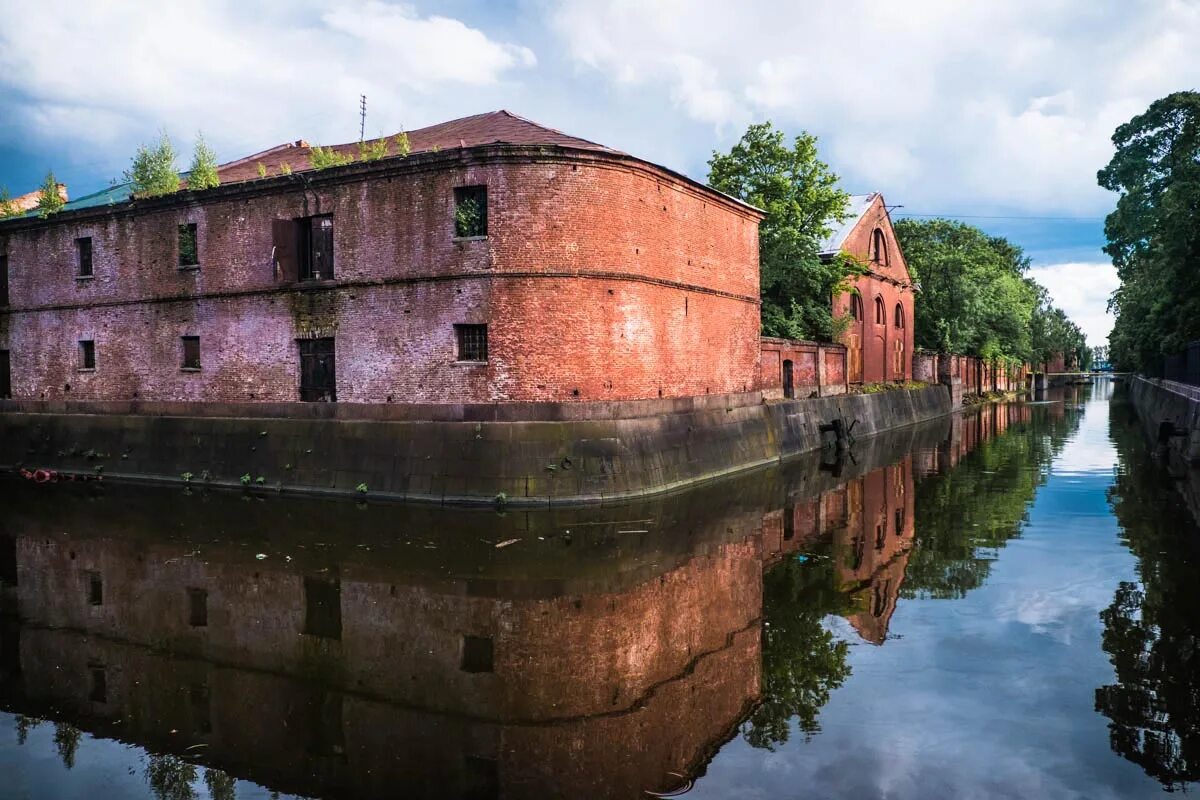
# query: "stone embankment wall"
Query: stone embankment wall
475,458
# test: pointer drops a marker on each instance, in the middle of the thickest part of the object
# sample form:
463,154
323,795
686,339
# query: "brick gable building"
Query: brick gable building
879,341
498,260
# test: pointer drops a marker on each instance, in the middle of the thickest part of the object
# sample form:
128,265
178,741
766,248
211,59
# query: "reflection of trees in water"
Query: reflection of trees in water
965,515
24,725
221,785
802,661
171,778
66,741
1152,628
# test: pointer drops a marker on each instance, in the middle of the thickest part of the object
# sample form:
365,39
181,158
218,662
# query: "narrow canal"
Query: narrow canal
1002,604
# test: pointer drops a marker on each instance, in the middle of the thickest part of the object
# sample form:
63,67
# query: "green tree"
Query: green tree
7,207
203,172
801,198
49,200
153,171
1152,234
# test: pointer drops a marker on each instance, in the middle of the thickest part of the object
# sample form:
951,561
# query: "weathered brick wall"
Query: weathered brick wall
601,278
818,369
925,366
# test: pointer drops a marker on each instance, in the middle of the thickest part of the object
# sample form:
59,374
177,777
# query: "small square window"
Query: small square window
472,342
470,211
188,254
197,608
191,352
83,248
87,354
476,654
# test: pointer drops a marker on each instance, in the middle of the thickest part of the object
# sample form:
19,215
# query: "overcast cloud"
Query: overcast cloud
975,109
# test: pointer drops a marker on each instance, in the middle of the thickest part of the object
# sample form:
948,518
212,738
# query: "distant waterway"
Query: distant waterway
1005,603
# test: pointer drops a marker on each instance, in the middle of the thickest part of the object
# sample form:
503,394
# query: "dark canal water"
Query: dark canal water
1005,604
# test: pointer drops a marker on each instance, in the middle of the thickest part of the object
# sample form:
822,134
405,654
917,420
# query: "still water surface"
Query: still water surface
1005,604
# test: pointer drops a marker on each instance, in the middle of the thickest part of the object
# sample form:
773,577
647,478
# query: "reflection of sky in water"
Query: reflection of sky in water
987,696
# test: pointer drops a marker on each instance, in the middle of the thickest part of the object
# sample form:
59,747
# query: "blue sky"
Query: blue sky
1001,112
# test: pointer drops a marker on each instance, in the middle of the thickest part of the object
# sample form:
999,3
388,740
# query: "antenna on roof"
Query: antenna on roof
362,117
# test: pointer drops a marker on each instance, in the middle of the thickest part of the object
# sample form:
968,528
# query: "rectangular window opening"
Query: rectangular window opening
197,608
316,248
87,354
318,371
8,560
470,211
3,280
95,589
99,691
83,247
323,608
199,699
5,376
191,352
477,654
188,254
472,342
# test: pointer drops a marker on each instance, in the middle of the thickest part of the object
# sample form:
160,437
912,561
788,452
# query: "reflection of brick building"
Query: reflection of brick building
879,341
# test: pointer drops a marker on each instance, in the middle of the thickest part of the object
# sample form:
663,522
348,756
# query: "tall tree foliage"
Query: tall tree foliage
977,299
1153,237
7,207
801,197
49,200
153,171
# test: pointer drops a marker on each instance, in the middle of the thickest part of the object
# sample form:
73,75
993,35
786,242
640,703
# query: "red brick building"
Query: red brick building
497,260
879,342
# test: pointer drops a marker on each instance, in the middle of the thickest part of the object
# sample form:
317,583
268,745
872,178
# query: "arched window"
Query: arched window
879,251
856,308
880,314
899,316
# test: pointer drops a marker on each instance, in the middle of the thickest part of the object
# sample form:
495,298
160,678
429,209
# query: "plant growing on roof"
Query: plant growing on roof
203,174
285,168
373,151
402,146
7,207
49,200
325,157
262,169
153,172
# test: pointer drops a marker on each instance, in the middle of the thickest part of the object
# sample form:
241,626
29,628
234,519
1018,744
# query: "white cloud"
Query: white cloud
95,78
963,105
1082,291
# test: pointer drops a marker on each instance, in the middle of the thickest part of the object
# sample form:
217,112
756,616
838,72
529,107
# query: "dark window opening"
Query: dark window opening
856,312
99,690
789,523
470,211
199,699
477,654
5,376
789,388
197,608
188,253
95,586
899,521
191,352
316,248
323,608
472,342
880,314
325,725
87,354
880,536
879,253
8,560
481,778
899,316
3,280
318,371
879,597
83,247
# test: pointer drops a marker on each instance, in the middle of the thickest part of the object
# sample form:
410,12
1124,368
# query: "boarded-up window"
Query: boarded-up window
87,354
470,211
189,255
323,608
477,654
318,371
197,608
191,352
472,342
3,280
83,251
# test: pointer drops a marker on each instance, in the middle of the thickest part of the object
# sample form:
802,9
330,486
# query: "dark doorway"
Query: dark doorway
318,372
789,387
5,376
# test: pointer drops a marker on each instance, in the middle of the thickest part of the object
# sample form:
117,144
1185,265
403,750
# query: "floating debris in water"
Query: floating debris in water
506,543
261,556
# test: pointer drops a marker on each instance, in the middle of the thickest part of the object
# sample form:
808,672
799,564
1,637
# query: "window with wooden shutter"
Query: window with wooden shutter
285,238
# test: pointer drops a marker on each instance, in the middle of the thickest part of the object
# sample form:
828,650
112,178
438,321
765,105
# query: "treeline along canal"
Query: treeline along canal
999,604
